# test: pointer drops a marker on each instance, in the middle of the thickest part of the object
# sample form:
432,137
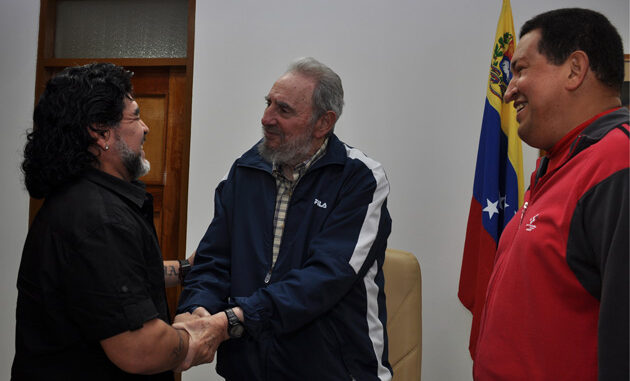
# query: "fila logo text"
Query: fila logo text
319,203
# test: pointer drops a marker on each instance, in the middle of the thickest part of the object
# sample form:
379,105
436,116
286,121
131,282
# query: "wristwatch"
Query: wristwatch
184,269
235,327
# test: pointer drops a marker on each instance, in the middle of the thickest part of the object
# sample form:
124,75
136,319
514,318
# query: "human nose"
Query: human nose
510,92
268,116
145,128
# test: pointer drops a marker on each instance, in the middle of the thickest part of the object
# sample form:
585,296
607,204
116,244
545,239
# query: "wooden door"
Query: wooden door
161,96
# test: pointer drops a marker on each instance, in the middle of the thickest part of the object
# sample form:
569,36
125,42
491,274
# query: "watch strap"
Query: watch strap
234,324
184,269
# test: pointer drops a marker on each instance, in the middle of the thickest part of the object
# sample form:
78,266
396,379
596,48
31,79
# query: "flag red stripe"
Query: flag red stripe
479,252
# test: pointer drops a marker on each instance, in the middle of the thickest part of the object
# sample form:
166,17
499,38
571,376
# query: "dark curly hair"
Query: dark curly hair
75,100
564,31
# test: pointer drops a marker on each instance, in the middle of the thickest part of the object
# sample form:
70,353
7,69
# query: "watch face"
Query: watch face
236,330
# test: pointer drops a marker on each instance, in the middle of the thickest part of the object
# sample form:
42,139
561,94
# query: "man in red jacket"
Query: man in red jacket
557,301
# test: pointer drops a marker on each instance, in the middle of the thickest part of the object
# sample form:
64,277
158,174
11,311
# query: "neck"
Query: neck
584,106
108,167
586,109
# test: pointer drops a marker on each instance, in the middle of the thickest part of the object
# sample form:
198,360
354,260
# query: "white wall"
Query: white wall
414,75
18,51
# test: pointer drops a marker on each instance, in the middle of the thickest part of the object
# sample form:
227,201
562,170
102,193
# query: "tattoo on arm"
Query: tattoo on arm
170,271
179,349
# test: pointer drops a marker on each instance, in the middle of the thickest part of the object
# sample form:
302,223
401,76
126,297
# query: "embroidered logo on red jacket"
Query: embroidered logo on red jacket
530,226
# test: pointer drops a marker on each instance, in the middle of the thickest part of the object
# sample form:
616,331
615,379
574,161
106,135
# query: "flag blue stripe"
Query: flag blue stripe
495,177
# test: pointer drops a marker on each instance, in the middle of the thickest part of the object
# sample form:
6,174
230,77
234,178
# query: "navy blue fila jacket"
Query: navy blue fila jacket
321,316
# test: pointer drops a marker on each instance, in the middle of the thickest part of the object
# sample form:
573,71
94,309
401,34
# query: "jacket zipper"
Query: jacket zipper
268,276
523,212
290,190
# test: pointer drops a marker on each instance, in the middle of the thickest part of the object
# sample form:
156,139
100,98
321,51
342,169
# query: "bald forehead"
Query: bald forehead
296,83
294,90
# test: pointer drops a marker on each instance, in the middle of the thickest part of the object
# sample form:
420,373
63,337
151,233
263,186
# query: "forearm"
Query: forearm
155,348
274,307
208,283
171,351
172,271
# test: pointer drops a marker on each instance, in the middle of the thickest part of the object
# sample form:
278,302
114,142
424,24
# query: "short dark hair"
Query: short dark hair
564,31
75,100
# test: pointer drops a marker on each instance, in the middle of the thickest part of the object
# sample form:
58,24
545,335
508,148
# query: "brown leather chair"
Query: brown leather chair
403,291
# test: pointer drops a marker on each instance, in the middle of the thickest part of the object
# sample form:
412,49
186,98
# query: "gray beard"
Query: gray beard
288,153
134,164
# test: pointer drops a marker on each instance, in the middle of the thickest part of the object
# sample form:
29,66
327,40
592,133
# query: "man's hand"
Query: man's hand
197,313
183,317
201,312
206,333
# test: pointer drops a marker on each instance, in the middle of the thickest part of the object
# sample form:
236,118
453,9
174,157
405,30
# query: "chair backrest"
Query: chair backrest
403,292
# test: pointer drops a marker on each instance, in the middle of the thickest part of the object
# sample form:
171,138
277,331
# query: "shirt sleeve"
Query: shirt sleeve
597,251
208,283
341,253
107,281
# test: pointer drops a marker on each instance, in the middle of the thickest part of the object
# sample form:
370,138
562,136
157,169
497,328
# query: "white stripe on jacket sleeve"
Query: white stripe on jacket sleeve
365,241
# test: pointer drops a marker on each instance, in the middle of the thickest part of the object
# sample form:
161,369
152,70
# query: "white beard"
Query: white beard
288,153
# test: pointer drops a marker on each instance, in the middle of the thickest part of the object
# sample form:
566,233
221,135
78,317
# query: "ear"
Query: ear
324,124
578,65
101,136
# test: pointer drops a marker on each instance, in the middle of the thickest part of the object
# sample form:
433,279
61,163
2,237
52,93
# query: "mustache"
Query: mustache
272,129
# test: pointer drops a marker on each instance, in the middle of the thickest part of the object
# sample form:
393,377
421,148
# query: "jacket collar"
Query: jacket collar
598,129
590,135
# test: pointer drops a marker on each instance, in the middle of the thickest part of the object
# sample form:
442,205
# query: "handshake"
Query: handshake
206,332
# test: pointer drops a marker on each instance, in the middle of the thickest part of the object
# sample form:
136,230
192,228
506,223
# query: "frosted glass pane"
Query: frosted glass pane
121,28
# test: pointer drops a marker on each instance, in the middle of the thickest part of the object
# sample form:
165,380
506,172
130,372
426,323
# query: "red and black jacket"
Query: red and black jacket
557,301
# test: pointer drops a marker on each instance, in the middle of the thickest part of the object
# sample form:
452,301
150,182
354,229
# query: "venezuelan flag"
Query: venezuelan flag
498,186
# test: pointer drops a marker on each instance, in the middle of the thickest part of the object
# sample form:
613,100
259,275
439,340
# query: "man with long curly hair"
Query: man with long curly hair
91,286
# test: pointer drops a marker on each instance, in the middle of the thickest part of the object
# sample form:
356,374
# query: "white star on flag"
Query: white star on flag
503,202
491,208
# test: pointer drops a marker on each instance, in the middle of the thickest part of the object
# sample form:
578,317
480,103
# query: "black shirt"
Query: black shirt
91,269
